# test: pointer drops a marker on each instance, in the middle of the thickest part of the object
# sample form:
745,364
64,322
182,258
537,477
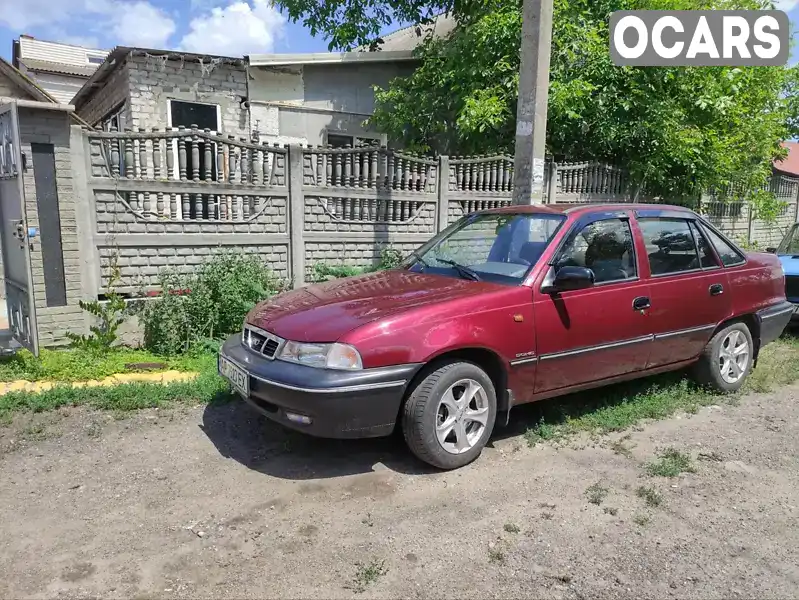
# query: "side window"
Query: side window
729,255
706,258
605,247
669,245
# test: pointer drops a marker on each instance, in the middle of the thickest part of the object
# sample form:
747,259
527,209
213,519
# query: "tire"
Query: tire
710,369
439,399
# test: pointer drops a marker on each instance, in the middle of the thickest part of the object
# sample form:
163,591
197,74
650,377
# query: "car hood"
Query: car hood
326,311
790,263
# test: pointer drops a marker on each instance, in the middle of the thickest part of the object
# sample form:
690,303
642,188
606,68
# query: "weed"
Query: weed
650,495
496,555
108,317
511,528
671,462
368,520
611,511
82,365
641,519
596,493
547,516
94,430
36,432
368,574
620,448
542,431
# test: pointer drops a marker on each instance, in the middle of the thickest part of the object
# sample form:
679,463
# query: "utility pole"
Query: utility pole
531,112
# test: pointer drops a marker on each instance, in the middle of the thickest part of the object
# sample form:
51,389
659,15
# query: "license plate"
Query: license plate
237,376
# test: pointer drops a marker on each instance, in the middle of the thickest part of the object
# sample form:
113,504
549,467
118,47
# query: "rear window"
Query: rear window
727,253
670,246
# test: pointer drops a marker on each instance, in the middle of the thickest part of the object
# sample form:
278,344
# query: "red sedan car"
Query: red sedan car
505,307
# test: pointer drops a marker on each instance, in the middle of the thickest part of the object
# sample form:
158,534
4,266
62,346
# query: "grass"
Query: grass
79,365
511,528
609,510
670,463
641,520
208,386
650,495
495,555
366,575
596,493
619,407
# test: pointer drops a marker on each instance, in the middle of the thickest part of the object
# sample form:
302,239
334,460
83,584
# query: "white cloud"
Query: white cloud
118,22
240,28
141,24
786,5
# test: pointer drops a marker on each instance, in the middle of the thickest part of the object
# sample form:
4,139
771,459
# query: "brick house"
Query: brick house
148,89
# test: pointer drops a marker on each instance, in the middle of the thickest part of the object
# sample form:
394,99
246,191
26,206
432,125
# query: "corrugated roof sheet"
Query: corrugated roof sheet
52,67
791,163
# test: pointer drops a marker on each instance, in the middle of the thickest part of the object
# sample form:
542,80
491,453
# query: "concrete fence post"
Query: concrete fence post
442,207
296,216
86,217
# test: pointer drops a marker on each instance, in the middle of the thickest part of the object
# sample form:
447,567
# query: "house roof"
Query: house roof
55,67
25,83
117,56
790,164
408,38
327,58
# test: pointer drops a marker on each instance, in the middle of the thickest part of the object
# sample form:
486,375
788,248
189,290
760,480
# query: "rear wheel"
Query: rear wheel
727,359
448,417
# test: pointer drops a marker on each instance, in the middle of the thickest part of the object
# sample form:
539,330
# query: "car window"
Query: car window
669,245
707,260
498,247
728,254
605,247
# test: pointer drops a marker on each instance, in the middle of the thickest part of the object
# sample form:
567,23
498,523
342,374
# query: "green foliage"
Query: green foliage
80,365
678,130
390,258
108,317
124,397
207,305
670,463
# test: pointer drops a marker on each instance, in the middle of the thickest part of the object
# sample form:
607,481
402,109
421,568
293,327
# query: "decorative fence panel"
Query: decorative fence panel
169,199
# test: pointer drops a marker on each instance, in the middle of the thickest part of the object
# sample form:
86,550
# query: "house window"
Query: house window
203,116
114,121
95,60
342,140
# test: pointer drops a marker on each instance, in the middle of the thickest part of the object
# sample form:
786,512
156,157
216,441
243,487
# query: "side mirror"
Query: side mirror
771,250
571,278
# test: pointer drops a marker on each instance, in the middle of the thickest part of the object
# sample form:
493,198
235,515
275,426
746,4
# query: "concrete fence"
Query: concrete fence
144,201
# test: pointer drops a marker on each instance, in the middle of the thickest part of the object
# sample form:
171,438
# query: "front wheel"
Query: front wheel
449,416
727,359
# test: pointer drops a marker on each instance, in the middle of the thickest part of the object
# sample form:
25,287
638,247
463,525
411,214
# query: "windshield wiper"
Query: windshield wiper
464,272
422,261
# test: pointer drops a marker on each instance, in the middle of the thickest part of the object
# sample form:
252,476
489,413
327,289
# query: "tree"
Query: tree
678,130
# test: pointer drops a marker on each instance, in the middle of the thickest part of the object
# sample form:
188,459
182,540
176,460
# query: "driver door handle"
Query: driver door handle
716,289
641,303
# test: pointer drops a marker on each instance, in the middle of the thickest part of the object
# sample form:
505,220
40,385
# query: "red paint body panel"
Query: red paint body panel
580,338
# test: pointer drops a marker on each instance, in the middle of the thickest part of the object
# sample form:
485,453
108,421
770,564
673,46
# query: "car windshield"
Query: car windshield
496,247
790,243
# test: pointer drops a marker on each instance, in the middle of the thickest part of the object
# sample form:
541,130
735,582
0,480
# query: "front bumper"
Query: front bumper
773,321
340,404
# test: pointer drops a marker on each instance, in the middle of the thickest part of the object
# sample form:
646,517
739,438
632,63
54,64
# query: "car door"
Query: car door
600,332
689,290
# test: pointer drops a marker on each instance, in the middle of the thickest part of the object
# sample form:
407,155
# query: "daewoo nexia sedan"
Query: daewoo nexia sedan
504,307
788,253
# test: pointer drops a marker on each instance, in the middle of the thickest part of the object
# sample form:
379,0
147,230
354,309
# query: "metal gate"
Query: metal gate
15,242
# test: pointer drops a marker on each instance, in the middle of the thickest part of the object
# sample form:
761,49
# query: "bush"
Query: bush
207,305
390,258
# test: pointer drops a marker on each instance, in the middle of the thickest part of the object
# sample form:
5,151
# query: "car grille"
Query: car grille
792,286
261,341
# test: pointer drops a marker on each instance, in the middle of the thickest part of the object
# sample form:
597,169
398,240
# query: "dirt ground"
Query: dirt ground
217,502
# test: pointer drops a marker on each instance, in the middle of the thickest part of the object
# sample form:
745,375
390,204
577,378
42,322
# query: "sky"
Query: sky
222,27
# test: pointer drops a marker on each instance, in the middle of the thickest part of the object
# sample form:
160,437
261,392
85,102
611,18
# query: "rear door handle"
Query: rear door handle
641,303
716,289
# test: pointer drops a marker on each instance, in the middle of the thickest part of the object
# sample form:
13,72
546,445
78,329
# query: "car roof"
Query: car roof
580,209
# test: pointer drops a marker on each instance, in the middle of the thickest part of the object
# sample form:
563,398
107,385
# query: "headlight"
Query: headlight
322,356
